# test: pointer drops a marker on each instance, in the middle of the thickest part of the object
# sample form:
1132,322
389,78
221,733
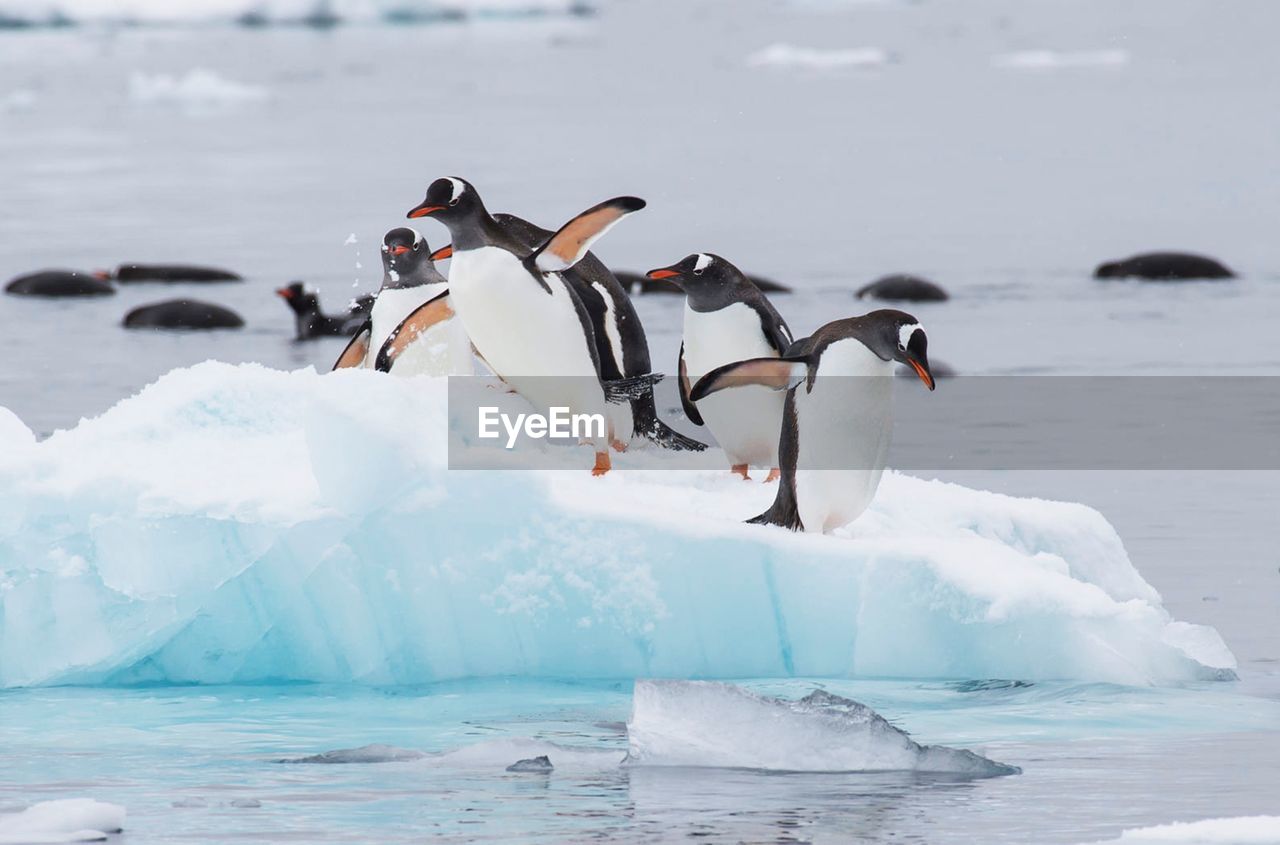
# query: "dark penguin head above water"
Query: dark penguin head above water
406,261
298,298
455,203
709,281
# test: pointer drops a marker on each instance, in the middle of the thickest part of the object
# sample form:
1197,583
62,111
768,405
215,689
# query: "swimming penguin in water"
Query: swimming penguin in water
524,316
728,319
1164,267
902,287
182,314
410,330
127,273
621,347
310,322
839,413
60,283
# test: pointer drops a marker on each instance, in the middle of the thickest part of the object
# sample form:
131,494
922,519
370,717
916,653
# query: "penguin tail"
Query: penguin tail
622,390
649,426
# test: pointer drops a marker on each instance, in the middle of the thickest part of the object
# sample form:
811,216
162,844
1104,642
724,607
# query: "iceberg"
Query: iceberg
237,524
1236,830
707,723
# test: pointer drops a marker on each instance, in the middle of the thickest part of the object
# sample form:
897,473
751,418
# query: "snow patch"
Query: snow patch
194,89
1052,59
704,723
792,56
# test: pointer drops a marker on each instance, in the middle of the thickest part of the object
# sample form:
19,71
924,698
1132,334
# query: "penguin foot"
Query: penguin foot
618,445
740,469
774,475
602,464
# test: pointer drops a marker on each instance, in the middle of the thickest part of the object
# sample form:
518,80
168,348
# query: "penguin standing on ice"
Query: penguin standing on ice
728,319
622,349
409,330
524,317
839,413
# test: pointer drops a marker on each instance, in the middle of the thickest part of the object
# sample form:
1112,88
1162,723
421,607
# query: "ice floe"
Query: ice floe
1052,59
63,820
196,88
1238,830
706,723
790,55
240,524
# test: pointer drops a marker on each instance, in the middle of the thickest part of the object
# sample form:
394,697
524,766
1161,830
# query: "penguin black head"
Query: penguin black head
407,259
450,200
708,280
298,298
897,336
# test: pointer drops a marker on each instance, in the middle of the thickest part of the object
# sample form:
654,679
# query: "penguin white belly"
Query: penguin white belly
746,421
533,339
390,308
843,429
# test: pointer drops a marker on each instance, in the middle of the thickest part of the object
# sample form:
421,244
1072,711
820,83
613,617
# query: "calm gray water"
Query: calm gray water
1004,184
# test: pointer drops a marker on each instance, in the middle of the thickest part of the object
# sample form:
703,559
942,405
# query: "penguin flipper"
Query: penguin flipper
774,373
690,409
357,348
570,243
433,311
622,390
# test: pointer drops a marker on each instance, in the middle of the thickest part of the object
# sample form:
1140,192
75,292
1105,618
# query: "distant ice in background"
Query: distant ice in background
790,55
1239,830
17,14
194,89
1050,59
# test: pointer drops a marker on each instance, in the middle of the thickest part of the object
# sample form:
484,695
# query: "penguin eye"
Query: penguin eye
697,272
454,201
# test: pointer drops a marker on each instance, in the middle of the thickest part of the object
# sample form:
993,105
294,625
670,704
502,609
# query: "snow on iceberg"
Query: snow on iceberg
706,723
64,820
240,524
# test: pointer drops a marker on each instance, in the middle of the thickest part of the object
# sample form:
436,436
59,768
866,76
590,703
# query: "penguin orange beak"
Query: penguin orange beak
424,211
399,249
922,372
284,293
442,253
664,273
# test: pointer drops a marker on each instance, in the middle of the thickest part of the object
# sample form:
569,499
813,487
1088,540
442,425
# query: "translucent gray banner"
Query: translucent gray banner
970,422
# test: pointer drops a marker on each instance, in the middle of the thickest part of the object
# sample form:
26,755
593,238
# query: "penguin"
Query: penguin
410,322
903,287
839,413
1164,267
182,314
127,273
311,322
621,347
525,318
60,283
727,319
637,284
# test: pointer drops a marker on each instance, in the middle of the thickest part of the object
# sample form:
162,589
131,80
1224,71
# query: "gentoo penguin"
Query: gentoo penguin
182,314
839,413
524,317
727,319
127,273
1164,267
60,283
409,327
621,347
903,287
637,284
311,322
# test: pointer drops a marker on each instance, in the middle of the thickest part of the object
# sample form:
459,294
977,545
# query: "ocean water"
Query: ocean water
956,148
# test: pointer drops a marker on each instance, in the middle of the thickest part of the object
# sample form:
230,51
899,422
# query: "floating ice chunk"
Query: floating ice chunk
1238,830
706,723
64,820
364,754
789,55
1050,59
237,524
541,763
196,88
